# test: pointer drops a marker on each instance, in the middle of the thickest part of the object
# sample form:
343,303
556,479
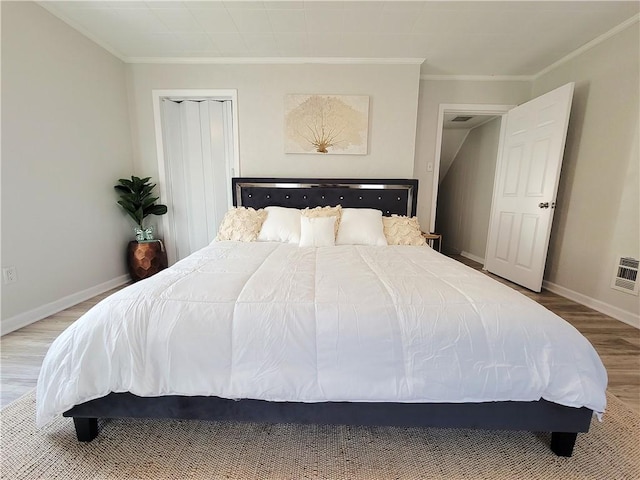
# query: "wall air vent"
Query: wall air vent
626,275
460,118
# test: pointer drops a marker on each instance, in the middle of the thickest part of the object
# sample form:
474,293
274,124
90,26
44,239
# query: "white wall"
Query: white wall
65,141
465,194
66,138
597,217
452,140
393,91
432,94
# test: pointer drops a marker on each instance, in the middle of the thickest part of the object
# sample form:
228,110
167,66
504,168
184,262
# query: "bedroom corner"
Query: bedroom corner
65,137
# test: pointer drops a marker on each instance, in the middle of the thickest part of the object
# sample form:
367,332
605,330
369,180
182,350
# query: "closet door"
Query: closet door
197,139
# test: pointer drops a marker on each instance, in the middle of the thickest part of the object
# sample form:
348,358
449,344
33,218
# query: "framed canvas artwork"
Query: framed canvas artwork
326,124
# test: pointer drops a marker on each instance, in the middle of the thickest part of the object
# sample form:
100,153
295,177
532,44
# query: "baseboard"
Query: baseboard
27,318
625,316
473,257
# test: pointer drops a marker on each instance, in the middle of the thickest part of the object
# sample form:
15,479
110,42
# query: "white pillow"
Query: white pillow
361,226
317,231
324,212
281,225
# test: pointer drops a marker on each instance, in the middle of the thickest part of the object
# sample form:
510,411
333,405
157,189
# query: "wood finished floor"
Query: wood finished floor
22,351
617,344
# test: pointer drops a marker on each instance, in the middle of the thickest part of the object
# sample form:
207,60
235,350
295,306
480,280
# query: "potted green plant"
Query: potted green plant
136,197
146,256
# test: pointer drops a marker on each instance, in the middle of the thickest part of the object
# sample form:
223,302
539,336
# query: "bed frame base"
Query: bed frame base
563,422
86,428
562,443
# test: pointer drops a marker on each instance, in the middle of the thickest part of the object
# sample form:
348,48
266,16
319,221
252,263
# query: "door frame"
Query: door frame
233,167
460,108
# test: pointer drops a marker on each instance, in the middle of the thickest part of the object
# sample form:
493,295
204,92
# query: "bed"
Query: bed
296,345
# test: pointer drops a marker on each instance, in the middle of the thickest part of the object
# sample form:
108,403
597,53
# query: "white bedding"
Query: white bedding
278,322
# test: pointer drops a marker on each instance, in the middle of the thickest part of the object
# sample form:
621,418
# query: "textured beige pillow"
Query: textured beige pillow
325,212
400,230
241,224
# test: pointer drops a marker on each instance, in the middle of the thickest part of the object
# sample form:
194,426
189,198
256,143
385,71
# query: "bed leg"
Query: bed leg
562,443
86,428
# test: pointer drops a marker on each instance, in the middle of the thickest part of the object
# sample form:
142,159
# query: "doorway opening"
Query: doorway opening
467,146
527,170
198,153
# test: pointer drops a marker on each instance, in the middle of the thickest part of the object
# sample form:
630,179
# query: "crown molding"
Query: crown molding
276,60
479,78
529,78
50,7
588,46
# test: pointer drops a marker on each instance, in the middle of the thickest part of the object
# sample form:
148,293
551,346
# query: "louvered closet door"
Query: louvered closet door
525,188
196,138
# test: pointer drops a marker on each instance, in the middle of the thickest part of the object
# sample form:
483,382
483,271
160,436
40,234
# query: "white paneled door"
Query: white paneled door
525,187
197,138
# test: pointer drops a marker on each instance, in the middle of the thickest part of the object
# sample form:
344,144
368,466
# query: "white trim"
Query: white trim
236,140
174,94
23,319
479,78
50,7
494,195
530,78
229,150
473,257
589,45
625,316
162,174
277,60
498,110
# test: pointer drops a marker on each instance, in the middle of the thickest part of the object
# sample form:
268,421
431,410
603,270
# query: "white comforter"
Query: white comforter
277,322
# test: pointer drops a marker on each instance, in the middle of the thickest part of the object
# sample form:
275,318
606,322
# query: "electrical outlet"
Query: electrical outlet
9,275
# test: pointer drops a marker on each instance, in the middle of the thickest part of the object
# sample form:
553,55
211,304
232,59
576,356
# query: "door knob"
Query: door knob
543,205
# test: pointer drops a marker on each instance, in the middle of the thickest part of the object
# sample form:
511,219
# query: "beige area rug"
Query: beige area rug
148,449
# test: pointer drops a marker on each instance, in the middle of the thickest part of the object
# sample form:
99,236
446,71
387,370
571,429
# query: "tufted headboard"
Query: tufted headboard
397,196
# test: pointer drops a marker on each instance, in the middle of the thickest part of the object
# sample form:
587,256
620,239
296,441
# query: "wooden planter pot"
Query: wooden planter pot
145,258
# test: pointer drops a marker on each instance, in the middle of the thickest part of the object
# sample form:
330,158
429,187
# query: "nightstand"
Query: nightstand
431,238
145,258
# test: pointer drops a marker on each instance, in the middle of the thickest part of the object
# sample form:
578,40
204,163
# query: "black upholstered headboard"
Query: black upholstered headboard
391,196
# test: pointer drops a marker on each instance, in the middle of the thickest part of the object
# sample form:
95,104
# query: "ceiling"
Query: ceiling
473,121
477,38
